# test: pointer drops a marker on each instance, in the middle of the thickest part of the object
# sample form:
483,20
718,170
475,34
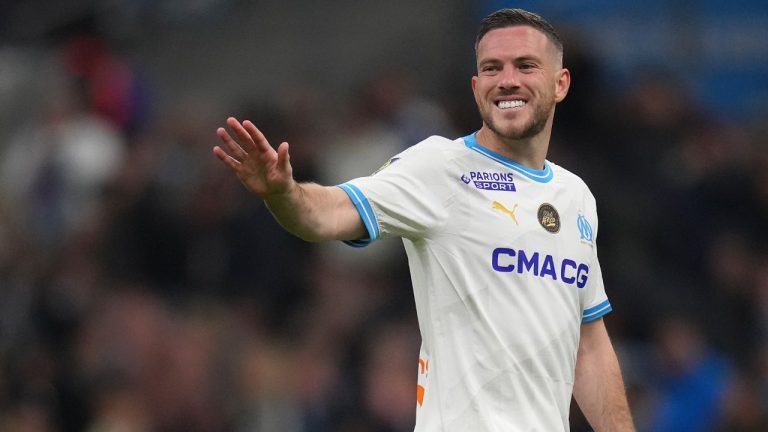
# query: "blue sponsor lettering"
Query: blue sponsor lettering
495,181
496,261
524,264
563,275
497,186
581,275
507,260
548,268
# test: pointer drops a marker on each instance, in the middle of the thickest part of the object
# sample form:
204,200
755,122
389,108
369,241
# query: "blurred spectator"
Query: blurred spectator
143,290
389,376
744,409
367,136
692,381
113,89
54,168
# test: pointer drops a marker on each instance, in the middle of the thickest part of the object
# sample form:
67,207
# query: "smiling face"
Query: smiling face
519,80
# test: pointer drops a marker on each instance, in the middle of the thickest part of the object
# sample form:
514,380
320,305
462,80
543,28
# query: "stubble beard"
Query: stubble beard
537,124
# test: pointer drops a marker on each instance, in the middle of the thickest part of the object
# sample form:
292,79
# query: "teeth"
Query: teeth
511,104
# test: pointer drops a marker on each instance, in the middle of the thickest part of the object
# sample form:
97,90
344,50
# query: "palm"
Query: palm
262,169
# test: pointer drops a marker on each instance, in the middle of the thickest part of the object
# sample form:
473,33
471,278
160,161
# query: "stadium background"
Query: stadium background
141,289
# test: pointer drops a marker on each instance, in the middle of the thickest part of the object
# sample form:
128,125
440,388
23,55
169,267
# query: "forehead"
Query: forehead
514,41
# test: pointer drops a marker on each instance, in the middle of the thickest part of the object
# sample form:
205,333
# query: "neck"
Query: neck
529,152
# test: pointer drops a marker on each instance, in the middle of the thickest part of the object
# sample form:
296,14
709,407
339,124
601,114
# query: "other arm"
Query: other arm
307,210
599,388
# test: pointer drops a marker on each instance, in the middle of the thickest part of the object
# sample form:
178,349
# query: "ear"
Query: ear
562,84
474,87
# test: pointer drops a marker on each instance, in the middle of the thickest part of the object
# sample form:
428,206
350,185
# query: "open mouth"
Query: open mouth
507,104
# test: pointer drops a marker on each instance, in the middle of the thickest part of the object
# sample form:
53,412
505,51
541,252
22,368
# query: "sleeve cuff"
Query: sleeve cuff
596,312
366,214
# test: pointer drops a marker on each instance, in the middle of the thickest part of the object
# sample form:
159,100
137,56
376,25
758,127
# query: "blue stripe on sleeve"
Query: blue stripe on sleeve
596,312
366,214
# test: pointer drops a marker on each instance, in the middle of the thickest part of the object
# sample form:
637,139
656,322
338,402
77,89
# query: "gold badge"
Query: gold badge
548,218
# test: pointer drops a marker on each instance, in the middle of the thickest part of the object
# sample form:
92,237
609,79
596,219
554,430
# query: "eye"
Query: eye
489,68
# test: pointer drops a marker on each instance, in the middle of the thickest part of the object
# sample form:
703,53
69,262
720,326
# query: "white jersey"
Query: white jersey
504,270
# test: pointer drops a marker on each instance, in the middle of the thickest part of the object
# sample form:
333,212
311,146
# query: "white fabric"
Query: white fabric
499,298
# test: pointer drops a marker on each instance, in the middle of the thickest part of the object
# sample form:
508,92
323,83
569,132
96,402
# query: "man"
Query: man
500,242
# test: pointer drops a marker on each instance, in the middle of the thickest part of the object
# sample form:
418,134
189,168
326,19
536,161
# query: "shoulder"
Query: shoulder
434,151
437,145
567,176
572,182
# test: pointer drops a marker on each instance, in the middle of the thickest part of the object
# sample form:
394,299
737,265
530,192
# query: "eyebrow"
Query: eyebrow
528,57
520,59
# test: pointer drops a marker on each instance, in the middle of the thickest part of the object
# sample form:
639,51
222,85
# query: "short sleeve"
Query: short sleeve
409,196
594,300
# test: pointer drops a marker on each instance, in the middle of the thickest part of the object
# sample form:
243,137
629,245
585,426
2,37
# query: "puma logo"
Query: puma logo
499,206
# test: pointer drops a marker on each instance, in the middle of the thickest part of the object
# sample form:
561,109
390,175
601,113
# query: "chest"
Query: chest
502,210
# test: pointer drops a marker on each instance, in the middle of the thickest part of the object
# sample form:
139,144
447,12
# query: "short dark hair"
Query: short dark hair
518,17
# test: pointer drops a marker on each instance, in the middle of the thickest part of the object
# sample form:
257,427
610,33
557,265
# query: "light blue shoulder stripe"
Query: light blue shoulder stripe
541,176
596,312
366,214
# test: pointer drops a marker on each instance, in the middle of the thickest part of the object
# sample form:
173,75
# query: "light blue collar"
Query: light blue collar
541,176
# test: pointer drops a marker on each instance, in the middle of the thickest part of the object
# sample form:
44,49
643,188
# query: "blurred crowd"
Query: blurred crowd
144,290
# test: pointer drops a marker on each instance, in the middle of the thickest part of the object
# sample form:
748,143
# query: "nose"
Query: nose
509,78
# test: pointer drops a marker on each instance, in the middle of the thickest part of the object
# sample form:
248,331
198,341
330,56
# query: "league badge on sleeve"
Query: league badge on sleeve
386,164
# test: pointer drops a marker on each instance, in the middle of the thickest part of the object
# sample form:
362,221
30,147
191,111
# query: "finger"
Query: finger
242,137
283,158
258,138
228,160
234,148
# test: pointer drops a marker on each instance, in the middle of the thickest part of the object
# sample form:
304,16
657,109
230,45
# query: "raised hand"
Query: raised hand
263,170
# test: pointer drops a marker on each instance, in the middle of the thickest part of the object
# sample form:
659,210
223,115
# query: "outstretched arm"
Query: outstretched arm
599,388
307,210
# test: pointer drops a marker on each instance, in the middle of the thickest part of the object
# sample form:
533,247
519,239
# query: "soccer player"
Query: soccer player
500,243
